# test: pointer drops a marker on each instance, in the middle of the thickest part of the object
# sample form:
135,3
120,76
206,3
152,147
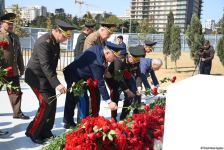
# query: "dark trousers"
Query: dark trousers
70,100
205,67
44,120
114,94
15,96
128,101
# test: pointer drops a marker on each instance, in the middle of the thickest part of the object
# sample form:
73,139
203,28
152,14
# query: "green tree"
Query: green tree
49,23
175,47
19,22
220,45
167,39
194,37
144,28
39,22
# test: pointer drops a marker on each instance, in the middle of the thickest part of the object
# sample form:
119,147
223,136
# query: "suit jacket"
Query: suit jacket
12,53
93,39
90,64
80,44
208,54
41,68
145,68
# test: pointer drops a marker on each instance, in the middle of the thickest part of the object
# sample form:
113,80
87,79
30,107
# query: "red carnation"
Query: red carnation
4,43
146,108
9,71
155,91
173,79
127,74
106,129
92,136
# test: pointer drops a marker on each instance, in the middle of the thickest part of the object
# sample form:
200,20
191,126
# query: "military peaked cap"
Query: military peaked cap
150,43
9,17
65,28
137,51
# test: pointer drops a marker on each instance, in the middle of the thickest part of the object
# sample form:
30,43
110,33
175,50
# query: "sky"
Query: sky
212,9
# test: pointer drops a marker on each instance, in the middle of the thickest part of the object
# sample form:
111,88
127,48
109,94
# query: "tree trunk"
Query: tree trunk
175,66
165,60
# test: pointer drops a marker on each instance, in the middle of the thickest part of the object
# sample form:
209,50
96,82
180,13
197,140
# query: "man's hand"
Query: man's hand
202,59
129,93
21,73
61,89
139,91
112,106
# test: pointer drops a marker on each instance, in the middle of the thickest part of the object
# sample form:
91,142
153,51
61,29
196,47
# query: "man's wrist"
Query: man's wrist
108,101
126,91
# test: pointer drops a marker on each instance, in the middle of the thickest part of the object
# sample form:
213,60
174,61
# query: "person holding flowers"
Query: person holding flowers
89,66
41,76
12,61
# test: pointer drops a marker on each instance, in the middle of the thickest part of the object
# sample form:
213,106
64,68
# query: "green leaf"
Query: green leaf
112,132
110,137
104,136
95,129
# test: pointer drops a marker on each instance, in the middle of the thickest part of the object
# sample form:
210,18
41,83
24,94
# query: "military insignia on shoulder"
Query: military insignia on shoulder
48,40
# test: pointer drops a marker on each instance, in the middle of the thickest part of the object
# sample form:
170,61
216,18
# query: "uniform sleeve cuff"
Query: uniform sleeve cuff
108,101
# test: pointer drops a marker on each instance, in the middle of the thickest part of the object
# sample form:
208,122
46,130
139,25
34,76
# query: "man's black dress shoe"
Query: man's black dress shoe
35,140
21,116
47,136
69,125
2,133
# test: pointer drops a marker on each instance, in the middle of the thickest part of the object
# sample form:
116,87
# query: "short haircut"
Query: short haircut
206,42
157,61
120,37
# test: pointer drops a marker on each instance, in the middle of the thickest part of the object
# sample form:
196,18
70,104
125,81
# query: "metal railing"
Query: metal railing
66,57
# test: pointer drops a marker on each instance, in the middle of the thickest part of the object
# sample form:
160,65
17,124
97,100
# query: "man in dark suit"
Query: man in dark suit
90,64
88,29
206,56
149,66
12,58
120,40
41,76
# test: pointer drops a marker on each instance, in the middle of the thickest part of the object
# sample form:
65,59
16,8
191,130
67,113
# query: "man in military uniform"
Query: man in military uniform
206,55
90,65
100,36
118,78
149,46
88,29
12,58
41,76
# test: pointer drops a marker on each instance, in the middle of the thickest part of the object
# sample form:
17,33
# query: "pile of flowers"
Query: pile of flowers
98,133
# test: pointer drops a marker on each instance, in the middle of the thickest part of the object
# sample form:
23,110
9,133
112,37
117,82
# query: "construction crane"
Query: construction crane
81,3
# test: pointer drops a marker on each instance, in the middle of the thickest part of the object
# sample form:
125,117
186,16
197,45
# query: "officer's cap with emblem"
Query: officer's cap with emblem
89,25
109,26
115,48
150,43
137,51
9,17
64,27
